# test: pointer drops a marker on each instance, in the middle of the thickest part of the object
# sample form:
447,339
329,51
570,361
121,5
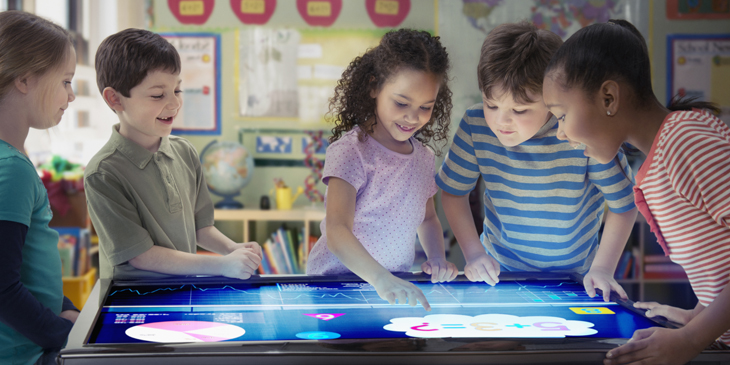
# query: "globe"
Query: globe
227,167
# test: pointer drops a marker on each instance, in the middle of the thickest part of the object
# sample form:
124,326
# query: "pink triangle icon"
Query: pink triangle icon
324,316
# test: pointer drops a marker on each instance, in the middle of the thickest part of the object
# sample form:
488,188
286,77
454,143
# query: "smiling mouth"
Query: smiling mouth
165,120
506,132
406,129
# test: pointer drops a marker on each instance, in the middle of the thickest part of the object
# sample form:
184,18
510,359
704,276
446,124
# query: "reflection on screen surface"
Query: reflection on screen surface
353,310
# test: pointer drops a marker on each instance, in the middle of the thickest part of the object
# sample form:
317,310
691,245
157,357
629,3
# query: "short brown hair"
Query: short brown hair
30,46
124,59
514,57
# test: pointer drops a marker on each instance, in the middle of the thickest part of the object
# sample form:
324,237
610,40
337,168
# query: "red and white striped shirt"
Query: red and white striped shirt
683,191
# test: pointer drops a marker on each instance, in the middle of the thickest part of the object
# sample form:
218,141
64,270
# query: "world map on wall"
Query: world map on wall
560,17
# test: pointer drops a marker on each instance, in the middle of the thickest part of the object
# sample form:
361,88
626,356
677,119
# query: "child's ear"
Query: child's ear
373,91
22,83
113,99
609,95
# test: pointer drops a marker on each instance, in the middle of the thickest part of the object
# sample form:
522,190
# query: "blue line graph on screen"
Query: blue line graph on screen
315,294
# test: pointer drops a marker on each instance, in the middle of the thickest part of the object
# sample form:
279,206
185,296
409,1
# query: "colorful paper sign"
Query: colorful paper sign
388,13
253,11
319,12
191,11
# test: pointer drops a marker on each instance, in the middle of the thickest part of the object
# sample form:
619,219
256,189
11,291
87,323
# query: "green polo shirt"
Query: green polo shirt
138,199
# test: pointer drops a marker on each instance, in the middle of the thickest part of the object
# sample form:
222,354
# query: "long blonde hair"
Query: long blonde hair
30,46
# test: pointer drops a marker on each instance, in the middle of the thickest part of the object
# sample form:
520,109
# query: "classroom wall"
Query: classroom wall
458,34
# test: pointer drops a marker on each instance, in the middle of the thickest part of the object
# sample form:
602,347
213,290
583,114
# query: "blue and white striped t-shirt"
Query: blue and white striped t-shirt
543,200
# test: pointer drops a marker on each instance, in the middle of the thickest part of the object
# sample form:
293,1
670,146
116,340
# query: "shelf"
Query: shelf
312,214
306,215
667,281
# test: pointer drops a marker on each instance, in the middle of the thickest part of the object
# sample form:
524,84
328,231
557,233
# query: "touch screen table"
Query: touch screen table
526,318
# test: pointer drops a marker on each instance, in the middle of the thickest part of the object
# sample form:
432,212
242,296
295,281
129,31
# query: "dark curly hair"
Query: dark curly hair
399,49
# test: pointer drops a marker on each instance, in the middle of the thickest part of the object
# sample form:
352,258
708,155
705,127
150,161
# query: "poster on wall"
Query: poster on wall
322,57
699,66
267,72
200,74
698,9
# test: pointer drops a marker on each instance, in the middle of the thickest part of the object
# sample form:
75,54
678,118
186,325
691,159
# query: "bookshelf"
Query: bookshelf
653,277
285,251
246,216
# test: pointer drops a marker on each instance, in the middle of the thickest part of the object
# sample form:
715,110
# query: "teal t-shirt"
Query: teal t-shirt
23,199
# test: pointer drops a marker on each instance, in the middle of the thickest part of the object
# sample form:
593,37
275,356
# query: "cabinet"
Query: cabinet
666,287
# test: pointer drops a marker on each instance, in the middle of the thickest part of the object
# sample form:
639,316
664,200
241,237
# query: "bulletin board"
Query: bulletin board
289,54
699,66
200,74
698,9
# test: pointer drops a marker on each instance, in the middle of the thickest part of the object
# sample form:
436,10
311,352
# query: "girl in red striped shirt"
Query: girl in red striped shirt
598,85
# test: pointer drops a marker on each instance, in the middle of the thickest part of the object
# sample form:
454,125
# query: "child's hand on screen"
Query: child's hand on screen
398,291
241,263
674,314
655,345
482,268
600,278
440,270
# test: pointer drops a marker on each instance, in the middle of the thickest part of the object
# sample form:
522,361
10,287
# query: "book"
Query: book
655,258
282,245
624,263
73,245
629,270
291,246
664,271
270,257
282,255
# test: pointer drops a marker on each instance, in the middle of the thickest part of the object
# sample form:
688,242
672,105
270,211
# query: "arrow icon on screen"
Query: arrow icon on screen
324,316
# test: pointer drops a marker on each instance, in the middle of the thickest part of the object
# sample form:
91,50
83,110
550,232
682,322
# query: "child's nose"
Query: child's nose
71,96
412,116
503,118
561,133
175,103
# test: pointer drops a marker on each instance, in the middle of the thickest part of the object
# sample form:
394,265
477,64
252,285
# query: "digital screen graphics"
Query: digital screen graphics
272,310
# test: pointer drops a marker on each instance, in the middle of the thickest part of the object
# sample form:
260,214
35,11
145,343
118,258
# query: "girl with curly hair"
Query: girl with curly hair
389,104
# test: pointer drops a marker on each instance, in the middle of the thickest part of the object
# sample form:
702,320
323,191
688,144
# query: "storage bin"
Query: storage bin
78,288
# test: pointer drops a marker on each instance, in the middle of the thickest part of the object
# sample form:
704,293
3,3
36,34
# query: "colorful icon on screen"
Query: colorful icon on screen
318,335
324,316
489,325
591,310
185,331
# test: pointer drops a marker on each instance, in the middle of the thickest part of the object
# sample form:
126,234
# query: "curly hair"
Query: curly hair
352,105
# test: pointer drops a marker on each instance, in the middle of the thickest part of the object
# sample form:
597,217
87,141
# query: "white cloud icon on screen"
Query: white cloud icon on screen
489,325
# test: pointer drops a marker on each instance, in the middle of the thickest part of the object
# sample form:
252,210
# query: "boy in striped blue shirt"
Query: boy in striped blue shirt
544,199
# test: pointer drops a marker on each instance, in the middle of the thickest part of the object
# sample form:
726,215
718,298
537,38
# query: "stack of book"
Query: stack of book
285,252
627,265
661,267
73,246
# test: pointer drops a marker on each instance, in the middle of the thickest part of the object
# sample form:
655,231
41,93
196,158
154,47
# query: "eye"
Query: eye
561,118
401,105
520,111
491,107
158,96
178,91
426,108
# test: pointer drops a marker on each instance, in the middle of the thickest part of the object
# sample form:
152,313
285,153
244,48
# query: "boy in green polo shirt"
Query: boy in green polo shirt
146,193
